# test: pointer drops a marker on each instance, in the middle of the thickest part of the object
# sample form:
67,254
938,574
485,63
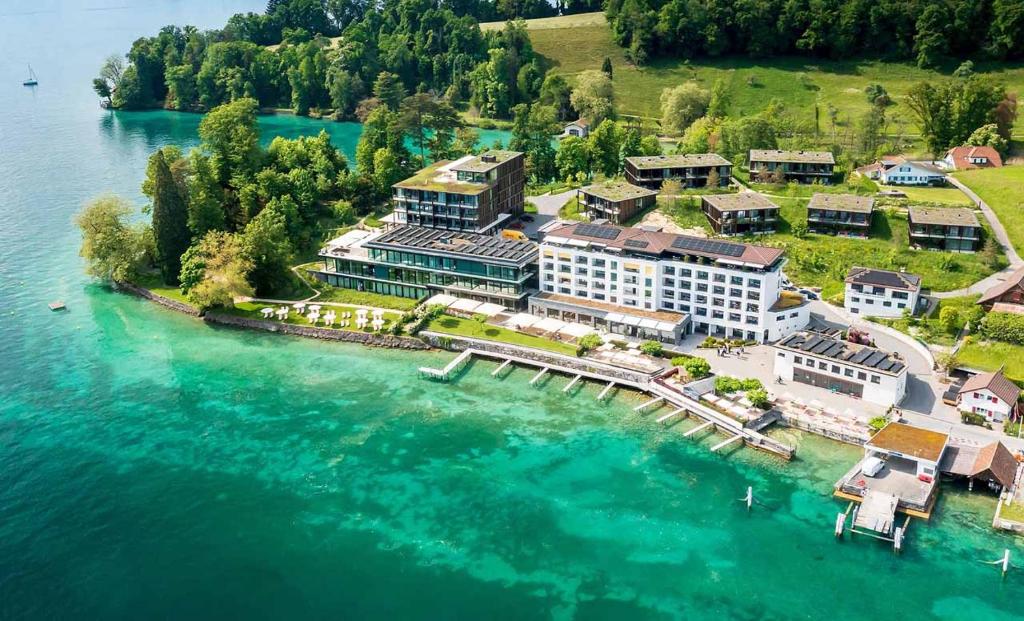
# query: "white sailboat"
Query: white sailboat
31,81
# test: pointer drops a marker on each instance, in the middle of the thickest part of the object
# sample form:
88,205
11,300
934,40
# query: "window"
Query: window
822,366
875,379
781,355
848,372
753,282
798,359
887,304
835,368
861,375
702,275
855,299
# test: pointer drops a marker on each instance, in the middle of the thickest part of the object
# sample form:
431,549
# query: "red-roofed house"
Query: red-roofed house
991,395
967,157
1007,296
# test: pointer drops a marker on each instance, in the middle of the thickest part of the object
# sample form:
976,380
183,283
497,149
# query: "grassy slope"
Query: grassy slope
990,355
577,42
1003,190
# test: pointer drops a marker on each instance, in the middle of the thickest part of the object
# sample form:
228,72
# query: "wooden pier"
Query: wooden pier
724,443
501,368
445,374
539,375
605,391
674,412
644,406
698,429
576,379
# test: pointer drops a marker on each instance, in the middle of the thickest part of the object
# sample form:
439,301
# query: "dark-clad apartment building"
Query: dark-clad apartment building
945,228
799,166
691,170
615,201
476,193
416,262
745,213
840,214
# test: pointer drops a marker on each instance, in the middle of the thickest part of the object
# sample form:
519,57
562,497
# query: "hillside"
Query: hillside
574,43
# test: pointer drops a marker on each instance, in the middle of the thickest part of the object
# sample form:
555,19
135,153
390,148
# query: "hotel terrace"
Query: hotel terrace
615,201
692,171
640,283
415,262
475,193
745,213
840,214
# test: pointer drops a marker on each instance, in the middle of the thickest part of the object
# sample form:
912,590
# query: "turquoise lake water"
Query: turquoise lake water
154,467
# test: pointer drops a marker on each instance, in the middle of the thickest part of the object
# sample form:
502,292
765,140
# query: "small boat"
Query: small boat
31,81
57,305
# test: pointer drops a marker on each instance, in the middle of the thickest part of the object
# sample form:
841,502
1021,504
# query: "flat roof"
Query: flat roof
884,278
944,216
842,351
459,243
660,316
440,177
794,157
739,202
645,162
617,191
485,161
842,202
909,441
657,243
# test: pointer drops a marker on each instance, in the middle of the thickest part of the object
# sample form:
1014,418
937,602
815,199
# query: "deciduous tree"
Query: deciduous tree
114,248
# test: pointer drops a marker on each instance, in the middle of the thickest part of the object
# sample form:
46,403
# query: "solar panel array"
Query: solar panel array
710,246
838,350
635,243
459,242
598,231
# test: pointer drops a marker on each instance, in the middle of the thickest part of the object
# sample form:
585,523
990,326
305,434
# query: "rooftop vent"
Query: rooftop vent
490,159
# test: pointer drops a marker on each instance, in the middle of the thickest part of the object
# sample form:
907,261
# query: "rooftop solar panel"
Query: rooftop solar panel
635,243
598,231
704,245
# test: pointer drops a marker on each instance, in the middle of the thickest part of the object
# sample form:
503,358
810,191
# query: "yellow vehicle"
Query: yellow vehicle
513,234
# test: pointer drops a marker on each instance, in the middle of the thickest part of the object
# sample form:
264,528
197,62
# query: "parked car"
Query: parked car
810,295
526,218
872,466
789,288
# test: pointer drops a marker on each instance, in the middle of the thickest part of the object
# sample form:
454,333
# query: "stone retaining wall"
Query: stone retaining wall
459,343
328,334
174,305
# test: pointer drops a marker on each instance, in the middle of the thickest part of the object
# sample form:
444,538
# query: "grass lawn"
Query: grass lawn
364,298
474,329
1014,512
252,310
575,43
946,196
1003,190
823,260
930,330
573,210
154,283
684,211
990,355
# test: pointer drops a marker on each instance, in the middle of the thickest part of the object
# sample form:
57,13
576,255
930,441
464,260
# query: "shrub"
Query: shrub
480,318
652,348
970,418
697,368
710,342
587,343
877,423
758,397
1011,428
726,384
1008,327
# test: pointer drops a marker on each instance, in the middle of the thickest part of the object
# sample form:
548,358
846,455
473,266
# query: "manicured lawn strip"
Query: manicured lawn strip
1003,190
252,311
990,355
947,196
799,83
474,329
154,283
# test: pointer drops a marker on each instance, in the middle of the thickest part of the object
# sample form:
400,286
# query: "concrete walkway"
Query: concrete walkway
549,204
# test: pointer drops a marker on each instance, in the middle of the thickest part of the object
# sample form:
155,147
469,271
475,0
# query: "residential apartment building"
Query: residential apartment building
839,366
475,193
615,201
416,262
881,293
840,214
649,284
744,213
692,170
799,166
991,395
949,229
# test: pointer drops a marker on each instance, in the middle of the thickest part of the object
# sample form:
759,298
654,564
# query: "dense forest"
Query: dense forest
329,56
923,30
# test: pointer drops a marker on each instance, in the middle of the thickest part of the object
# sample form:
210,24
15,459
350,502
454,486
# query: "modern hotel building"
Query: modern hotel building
663,286
415,262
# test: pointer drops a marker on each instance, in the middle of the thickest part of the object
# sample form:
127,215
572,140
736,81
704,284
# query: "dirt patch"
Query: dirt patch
658,219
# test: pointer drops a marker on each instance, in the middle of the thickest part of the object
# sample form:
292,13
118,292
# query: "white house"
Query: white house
651,284
881,293
839,366
898,170
991,395
578,128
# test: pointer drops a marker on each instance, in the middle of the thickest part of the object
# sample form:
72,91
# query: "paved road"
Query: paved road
547,210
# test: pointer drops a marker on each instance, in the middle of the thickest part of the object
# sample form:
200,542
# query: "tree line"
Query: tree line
928,32
287,58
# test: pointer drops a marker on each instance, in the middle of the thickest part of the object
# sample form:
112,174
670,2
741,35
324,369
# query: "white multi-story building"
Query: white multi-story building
839,366
650,284
991,395
880,293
